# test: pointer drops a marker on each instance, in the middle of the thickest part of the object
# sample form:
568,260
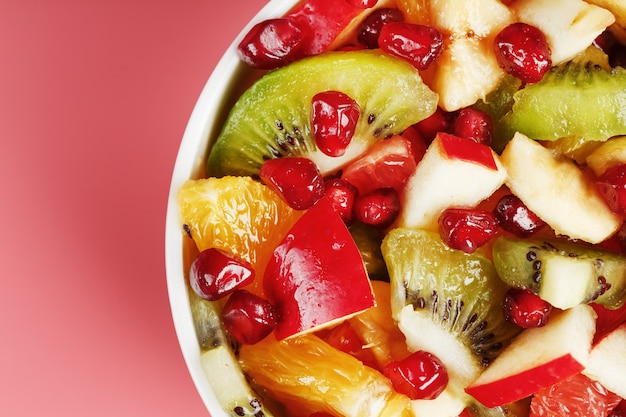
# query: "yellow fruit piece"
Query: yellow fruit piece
235,214
377,329
308,375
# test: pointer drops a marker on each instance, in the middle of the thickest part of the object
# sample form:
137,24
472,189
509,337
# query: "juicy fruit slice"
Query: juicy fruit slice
538,358
237,215
569,25
571,100
272,118
607,155
316,276
577,396
339,384
454,172
572,208
448,303
564,274
607,362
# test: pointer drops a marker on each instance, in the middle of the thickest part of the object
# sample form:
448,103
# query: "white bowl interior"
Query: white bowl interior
221,89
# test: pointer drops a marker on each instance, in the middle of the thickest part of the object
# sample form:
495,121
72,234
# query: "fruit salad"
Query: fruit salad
416,208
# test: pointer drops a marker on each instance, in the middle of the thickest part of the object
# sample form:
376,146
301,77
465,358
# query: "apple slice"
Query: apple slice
557,191
453,172
316,276
570,26
537,358
607,362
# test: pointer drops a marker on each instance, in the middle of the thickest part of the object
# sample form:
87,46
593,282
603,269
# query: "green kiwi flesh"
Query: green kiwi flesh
574,99
272,118
449,300
562,272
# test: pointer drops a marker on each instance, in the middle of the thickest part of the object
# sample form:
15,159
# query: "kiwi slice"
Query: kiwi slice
562,272
573,99
272,118
447,302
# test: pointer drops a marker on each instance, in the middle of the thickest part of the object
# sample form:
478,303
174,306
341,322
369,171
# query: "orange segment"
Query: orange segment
308,375
238,215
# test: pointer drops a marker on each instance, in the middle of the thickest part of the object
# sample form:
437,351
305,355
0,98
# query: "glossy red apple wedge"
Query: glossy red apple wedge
538,358
454,172
316,276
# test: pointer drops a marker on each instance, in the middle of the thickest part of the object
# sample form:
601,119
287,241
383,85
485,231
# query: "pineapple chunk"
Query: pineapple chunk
570,26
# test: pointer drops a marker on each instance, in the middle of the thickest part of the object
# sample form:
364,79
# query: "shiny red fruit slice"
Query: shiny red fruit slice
418,376
316,276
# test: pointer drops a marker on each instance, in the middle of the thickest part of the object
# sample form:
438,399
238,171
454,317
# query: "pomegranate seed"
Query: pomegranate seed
467,229
417,44
363,4
296,179
420,376
525,309
474,124
342,196
369,30
378,208
334,117
271,44
215,274
523,51
248,317
439,121
612,187
516,218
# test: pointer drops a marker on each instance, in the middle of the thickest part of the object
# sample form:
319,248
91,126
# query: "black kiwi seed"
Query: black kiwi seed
531,255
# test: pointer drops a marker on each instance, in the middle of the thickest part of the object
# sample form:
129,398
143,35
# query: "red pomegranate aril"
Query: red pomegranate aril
215,273
522,50
363,4
417,44
369,30
271,44
248,317
439,121
515,217
378,208
467,229
612,186
525,309
342,196
334,116
420,376
296,179
474,124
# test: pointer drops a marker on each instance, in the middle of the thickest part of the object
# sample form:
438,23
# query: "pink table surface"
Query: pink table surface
94,99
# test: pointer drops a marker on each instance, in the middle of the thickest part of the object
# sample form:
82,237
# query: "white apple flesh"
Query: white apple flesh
537,358
454,172
607,362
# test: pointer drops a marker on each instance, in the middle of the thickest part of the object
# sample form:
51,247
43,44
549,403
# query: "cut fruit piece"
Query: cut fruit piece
607,361
272,118
618,8
563,273
448,303
570,26
607,155
577,396
572,207
574,99
316,276
231,388
538,358
237,215
339,384
454,172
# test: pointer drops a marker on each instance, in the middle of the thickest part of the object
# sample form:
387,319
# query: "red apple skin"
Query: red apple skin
523,384
464,149
316,275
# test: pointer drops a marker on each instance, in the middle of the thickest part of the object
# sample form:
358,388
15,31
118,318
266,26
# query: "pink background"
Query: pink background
94,99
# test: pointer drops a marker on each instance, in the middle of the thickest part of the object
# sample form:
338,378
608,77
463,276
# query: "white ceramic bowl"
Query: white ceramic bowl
202,129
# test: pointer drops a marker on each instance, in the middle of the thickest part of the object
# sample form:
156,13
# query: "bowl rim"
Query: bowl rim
189,160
